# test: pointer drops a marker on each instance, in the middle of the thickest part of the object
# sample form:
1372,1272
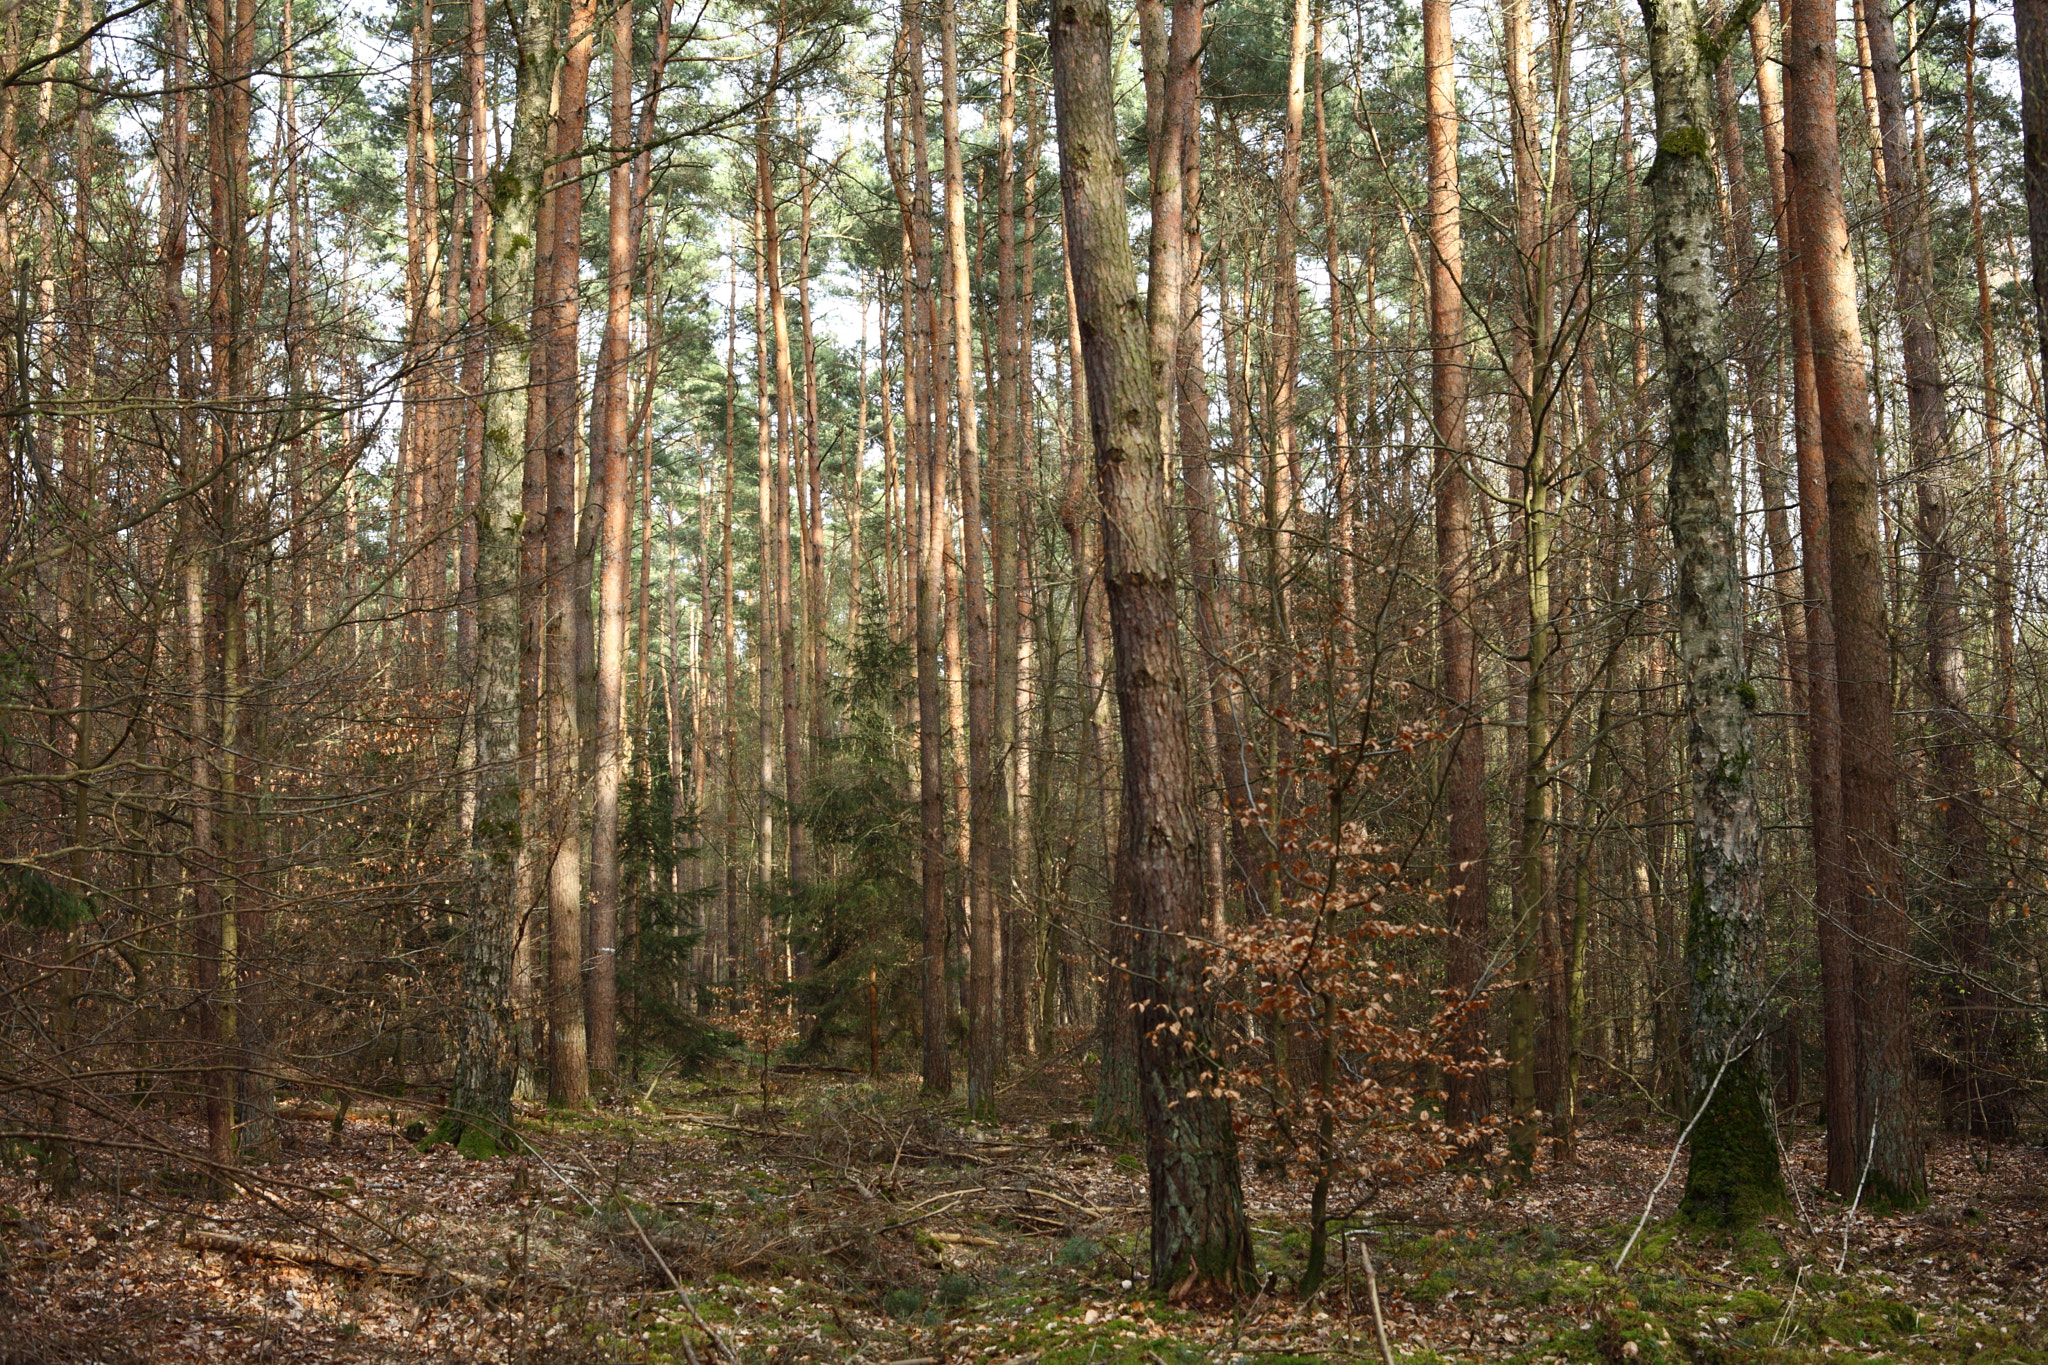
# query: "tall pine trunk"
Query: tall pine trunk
610,447
1201,1242
1464,774
1886,1123
568,1039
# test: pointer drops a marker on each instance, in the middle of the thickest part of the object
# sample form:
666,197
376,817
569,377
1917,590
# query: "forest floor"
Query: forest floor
853,1223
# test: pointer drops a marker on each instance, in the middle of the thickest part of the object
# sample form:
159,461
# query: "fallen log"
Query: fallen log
297,1254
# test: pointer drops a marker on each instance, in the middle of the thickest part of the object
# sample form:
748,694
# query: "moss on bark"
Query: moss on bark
1732,1177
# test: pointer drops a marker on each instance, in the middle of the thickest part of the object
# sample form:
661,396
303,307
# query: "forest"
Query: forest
1057,682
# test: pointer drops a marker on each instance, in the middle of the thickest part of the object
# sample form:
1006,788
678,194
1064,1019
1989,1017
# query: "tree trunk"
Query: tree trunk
1965,895
1986,1091
1201,1243
610,447
777,541
1823,714
1732,1176
1343,486
984,1026
1464,774
487,1041
913,191
568,1052
2030,43
761,638
1877,917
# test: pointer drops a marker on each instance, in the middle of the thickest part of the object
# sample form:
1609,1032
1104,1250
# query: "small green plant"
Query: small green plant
1077,1252
1438,1284
956,1290
903,1304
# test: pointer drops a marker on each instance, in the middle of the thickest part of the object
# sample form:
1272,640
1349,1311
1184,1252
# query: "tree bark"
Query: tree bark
761,638
1464,773
611,448
1732,1176
1823,713
1965,895
2030,42
913,192
984,1026
1986,1093
568,1043
1201,1242
486,1037
1885,1100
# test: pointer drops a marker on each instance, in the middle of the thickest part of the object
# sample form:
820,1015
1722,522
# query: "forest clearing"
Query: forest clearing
856,1223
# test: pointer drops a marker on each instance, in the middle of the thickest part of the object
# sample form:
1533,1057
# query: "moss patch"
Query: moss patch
1732,1177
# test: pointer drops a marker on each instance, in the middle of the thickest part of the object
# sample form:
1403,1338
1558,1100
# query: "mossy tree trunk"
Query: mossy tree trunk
1733,1173
1201,1242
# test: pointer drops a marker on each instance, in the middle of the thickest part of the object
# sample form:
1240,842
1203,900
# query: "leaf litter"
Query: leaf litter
858,1224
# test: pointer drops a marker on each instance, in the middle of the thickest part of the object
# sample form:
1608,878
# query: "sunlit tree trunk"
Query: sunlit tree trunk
1529,449
1464,774
984,1026
817,581
1343,458
568,1042
487,1040
761,638
1006,498
611,448
1965,896
475,356
1822,717
777,540
1987,1107
1762,395
1877,913
911,173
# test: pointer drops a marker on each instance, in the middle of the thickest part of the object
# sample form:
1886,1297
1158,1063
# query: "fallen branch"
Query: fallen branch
734,1127
298,1254
963,1239
934,1213
1075,1205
